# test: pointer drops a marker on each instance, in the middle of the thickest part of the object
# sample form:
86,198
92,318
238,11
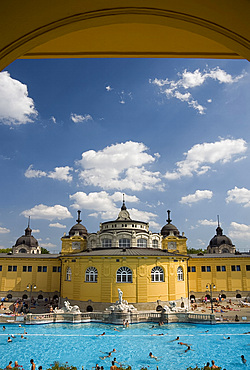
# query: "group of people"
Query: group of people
12,336
16,365
113,363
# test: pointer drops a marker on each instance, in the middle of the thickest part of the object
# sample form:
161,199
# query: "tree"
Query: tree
5,250
196,251
44,251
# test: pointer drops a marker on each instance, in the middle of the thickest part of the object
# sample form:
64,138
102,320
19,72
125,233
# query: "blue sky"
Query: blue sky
168,133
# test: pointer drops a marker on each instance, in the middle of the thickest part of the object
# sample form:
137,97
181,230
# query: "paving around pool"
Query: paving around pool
85,345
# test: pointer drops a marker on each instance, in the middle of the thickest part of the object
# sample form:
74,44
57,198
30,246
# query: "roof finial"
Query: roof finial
168,220
218,218
29,222
123,207
78,219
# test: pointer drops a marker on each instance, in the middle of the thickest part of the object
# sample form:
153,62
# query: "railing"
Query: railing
134,317
200,317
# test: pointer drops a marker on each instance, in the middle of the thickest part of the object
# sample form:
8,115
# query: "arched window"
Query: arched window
157,274
155,243
106,243
91,275
124,275
142,243
68,274
180,276
124,243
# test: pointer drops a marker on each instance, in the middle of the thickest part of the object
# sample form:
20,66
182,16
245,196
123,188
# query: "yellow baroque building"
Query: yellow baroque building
150,268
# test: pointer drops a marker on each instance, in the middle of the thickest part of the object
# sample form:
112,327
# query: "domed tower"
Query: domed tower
26,243
172,240
220,243
76,241
124,232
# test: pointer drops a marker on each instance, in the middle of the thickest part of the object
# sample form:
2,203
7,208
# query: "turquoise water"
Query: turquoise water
79,345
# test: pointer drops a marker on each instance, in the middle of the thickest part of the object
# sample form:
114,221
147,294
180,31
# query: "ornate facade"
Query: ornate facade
148,267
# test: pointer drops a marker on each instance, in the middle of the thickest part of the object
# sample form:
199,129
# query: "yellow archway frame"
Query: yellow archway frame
124,28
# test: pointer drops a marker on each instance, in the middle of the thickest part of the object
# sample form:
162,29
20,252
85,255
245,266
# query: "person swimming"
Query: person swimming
152,356
100,335
177,338
243,359
104,357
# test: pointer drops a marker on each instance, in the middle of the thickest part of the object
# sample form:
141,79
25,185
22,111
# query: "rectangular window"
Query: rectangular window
208,268
44,268
188,269
39,268
9,268
59,268
14,268
223,268
233,268
0,267
247,268
24,268
238,268
203,268
193,269
54,269
29,268
218,268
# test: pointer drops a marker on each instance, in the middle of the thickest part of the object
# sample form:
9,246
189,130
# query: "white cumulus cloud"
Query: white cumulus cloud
189,80
239,196
207,222
35,230
119,166
79,118
4,230
196,197
104,205
30,173
58,225
50,213
16,107
201,156
239,231
59,173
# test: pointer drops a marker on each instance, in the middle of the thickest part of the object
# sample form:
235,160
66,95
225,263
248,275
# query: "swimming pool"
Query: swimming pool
80,345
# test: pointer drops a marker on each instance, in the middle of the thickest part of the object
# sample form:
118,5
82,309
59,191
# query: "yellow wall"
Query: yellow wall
181,244
228,280
106,289
17,281
67,244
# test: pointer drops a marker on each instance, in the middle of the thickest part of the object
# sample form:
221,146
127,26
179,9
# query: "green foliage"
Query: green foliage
57,366
5,250
199,368
196,251
44,251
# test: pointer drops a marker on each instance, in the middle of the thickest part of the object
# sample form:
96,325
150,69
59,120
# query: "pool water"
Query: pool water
80,345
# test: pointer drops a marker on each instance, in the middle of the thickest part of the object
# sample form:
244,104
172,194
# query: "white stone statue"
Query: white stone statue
120,294
67,308
121,305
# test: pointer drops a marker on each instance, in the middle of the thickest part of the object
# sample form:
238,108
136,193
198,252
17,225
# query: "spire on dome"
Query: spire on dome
219,230
168,220
28,230
79,217
123,207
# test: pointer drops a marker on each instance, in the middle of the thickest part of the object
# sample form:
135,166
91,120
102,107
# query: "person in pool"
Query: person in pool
152,356
207,367
243,359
